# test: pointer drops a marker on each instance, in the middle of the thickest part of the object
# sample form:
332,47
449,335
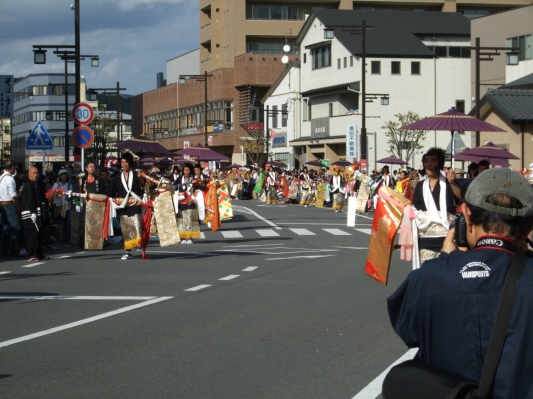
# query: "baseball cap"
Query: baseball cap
501,181
62,171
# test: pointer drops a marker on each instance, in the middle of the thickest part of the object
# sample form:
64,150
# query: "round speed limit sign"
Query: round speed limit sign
82,114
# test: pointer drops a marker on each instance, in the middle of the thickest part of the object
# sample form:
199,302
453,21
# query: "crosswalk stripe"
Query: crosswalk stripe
231,234
267,233
302,232
337,232
366,231
198,287
248,269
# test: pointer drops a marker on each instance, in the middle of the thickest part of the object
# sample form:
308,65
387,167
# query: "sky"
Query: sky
134,38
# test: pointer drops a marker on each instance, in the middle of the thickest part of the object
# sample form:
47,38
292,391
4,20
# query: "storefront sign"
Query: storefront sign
49,158
280,140
351,142
319,128
6,96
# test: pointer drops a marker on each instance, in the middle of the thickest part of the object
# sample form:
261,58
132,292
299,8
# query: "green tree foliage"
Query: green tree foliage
104,126
254,146
404,144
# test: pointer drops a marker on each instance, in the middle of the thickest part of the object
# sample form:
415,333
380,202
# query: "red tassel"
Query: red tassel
147,223
106,220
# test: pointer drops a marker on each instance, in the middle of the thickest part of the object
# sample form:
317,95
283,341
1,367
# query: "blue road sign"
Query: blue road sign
39,138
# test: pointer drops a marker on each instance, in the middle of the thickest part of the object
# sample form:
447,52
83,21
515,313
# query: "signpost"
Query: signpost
39,138
82,114
82,137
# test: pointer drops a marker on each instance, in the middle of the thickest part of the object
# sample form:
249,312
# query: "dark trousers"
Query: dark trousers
34,242
10,229
81,229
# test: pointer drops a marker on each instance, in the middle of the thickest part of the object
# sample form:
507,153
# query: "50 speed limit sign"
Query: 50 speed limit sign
82,114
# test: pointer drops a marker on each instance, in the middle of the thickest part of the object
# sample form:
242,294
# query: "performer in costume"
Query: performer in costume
404,185
175,174
336,190
91,209
188,224
306,195
363,193
201,191
126,191
271,186
32,220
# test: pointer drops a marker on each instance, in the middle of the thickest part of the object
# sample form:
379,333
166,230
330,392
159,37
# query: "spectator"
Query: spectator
8,210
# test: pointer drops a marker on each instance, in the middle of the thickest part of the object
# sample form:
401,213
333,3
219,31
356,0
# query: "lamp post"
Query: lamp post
199,78
269,113
512,59
357,30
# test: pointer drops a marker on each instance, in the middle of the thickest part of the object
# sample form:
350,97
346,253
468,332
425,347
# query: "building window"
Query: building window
415,68
345,62
338,63
305,109
351,60
270,48
305,58
273,12
39,90
441,51
376,67
284,118
274,116
460,105
321,57
395,68
330,109
524,45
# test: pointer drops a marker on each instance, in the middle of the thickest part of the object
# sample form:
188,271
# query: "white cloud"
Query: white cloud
110,69
130,4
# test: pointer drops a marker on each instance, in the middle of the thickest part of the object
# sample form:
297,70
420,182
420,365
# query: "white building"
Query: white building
184,64
284,98
415,61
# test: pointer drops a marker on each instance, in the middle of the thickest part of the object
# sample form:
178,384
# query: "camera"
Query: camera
460,231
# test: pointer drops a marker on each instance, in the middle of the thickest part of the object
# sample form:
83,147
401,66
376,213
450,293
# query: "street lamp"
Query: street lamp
199,78
357,30
511,59
269,113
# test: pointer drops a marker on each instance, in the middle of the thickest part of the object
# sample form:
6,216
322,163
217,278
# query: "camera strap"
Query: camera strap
500,243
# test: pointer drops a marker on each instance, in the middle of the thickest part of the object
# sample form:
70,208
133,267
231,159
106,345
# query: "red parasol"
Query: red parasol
202,153
140,145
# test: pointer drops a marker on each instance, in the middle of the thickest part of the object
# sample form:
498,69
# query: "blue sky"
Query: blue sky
134,38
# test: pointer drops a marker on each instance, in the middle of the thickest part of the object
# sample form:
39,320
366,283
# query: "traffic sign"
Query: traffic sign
39,138
82,137
82,114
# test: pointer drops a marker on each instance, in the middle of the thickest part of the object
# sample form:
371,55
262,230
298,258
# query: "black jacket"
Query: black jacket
31,200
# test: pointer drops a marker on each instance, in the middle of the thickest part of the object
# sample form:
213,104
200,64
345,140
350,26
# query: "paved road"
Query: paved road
274,305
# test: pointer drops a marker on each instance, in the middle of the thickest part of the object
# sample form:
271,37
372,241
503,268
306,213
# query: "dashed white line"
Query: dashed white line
79,253
302,257
248,269
231,234
337,232
63,257
303,232
84,321
253,245
5,272
230,277
34,264
198,287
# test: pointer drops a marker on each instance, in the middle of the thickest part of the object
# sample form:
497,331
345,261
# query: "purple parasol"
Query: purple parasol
392,161
489,151
148,160
202,153
179,162
277,164
315,163
342,163
140,145
452,120
234,166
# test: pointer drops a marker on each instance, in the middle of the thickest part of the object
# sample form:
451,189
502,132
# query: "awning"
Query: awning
332,89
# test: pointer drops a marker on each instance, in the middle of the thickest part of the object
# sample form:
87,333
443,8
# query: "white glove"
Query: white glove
78,208
33,217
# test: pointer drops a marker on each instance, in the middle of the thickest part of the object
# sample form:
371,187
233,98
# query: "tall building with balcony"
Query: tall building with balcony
241,48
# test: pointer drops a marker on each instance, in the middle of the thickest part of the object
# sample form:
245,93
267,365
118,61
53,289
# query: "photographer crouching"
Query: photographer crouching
448,307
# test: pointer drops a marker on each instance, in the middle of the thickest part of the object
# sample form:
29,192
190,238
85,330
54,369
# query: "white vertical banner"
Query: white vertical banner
351,143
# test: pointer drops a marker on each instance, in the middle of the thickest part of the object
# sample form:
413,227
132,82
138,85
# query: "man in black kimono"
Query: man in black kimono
32,220
126,189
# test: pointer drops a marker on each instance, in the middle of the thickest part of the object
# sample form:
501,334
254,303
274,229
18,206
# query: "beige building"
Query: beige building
241,46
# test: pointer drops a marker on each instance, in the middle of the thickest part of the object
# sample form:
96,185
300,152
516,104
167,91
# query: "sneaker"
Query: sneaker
183,242
126,256
189,241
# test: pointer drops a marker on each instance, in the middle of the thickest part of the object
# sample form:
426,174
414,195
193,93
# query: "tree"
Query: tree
399,140
254,145
103,125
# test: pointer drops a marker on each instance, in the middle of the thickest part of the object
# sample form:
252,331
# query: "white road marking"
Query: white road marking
262,218
184,253
351,247
337,232
302,232
305,250
34,264
363,216
5,272
323,224
230,277
302,257
373,390
267,233
366,231
85,298
248,269
231,234
63,257
253,245
198,287
84,321
79,253
202,236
